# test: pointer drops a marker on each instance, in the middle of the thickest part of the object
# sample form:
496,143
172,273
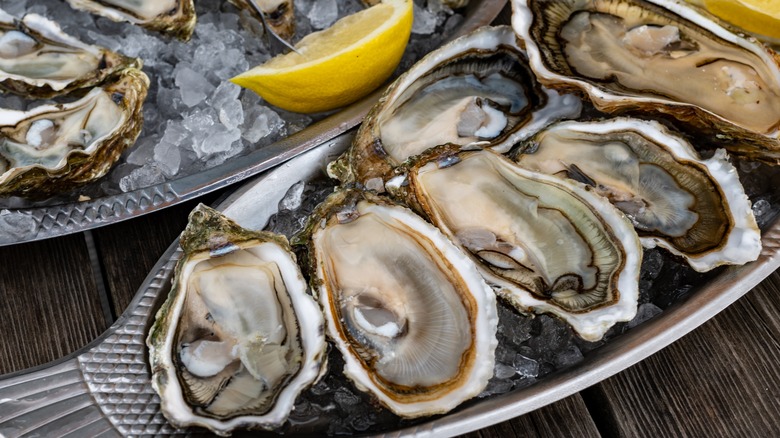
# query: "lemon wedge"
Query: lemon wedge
338,65
761,17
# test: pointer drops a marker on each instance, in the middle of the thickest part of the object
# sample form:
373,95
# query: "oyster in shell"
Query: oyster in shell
279,14
54,148
238,338
38,60
695,208
171,17
409,312
659,55
477,89
550,245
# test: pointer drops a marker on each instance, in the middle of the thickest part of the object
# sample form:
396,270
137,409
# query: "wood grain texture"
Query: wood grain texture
129,250
568,417
49,305
720,380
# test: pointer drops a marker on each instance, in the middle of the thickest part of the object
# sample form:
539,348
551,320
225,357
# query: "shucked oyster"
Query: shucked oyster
279,15
54,148
415,322
695,208
38,60
171,17
550,245
630,55
476,89
238,338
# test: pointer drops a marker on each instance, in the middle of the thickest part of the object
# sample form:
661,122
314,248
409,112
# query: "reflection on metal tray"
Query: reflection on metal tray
51,219
105,388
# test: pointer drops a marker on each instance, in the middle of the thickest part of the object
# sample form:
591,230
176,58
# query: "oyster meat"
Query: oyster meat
477,89
279,15
658,55
171,17
409,312
550,245
238,338
695,208
54,148
38,60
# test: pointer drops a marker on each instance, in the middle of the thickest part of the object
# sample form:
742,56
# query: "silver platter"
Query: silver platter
105,389
52,218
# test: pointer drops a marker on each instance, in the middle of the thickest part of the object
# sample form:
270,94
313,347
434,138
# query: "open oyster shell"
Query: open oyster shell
54,148
38,60
550,245
171,17
658,55
477,89
279,14
409,312
694,208
238,338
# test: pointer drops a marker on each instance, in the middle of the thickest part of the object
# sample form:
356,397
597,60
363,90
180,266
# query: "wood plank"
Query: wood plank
568,417
720,380
129,250
50,304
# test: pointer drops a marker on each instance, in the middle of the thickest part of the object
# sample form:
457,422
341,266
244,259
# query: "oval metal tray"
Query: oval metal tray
105,389
56,219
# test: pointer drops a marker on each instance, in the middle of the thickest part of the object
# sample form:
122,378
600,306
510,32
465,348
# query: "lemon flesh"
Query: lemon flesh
338,65
761,17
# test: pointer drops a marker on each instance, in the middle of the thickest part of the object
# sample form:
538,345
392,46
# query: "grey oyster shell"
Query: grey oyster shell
410,314
658,57
238,338
548,245
38,60
170,17
476,91
695,208
52,149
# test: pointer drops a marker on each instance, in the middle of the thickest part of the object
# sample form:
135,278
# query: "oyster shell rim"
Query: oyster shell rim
162,331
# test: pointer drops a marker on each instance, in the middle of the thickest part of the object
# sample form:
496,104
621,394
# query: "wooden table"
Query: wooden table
722,379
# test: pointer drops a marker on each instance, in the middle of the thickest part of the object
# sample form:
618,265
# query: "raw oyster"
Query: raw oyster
238,338
54,148
660,55
171,17
476,89
415,322
279,14
551,245
38,60
695,208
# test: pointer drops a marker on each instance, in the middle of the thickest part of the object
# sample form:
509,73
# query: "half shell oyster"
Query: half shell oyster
694,208
477,89
659,55
171,17
38,60
409,312
54,148
550,245
238,338
278,14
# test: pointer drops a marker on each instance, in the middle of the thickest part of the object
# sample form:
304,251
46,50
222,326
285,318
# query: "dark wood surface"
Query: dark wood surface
723,379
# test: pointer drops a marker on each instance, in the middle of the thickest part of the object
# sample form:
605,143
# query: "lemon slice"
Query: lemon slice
338,65
757,16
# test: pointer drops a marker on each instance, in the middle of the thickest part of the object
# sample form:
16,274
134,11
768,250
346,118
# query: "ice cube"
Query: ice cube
323,13
193,86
